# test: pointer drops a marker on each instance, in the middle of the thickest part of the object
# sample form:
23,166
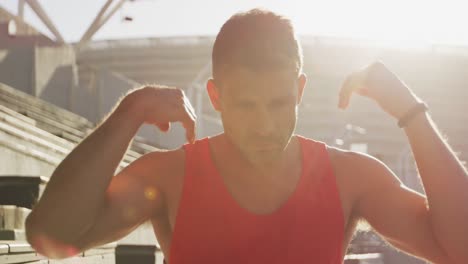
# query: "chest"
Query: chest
257,197
292,229
261,197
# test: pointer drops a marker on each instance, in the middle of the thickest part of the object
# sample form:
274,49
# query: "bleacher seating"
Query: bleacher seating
49,126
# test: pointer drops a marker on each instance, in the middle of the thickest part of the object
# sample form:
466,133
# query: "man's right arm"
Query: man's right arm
80,188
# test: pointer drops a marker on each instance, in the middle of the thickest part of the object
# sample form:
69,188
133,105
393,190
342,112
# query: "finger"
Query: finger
164,127
185,114
364,92
188,121
354,83
189,130
182,100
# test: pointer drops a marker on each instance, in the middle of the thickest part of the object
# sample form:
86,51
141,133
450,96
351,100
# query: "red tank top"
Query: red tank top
211,227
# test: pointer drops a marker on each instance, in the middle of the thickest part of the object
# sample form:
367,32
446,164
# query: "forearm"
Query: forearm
446,184
76,190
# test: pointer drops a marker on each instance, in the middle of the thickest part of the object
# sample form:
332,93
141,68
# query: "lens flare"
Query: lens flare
150,193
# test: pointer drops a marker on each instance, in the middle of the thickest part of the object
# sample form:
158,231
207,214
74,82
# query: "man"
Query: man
255,193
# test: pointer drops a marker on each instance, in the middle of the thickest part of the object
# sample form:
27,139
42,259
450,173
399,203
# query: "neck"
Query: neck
239,162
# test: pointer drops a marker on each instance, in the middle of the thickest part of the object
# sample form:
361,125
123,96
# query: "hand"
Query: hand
161,105
377,82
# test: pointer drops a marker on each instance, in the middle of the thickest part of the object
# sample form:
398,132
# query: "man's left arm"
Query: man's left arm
445,181
444,178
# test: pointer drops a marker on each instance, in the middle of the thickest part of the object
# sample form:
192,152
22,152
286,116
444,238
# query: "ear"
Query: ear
301,83
213,93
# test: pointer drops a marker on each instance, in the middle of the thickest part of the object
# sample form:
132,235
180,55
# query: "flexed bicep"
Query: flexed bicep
395,211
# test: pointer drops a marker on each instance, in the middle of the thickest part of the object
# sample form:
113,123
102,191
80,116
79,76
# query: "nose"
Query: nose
263,122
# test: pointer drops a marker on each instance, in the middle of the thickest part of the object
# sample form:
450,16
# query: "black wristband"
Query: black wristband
418,108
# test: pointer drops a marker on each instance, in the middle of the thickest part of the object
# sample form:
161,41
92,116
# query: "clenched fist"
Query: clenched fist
377,82
160,106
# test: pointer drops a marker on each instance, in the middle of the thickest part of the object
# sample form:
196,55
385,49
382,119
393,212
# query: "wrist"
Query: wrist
396,97
420,121
405,105
131,110
416,110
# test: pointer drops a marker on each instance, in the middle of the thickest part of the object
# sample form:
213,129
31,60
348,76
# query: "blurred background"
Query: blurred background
64,64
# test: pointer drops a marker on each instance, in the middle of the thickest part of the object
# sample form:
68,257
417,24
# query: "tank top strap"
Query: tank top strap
318,163
313,162
196,158
194,154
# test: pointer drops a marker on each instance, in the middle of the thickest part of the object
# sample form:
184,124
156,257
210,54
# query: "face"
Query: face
259,111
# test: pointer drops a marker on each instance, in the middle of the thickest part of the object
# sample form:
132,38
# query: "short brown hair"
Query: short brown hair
259,40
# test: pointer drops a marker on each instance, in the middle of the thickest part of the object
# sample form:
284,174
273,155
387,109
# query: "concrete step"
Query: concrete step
22,157
15,135
38,148
32,101
42,116
142,147
17,115
35,131
16,252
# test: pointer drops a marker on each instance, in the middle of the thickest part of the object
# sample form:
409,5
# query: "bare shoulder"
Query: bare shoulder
160,167
165,159
359,166
348,165
357,173
344,157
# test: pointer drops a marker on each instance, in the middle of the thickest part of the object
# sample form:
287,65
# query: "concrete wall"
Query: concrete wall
54,74
45,72
16,68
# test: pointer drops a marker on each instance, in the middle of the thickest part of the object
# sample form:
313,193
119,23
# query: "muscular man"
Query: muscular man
257,193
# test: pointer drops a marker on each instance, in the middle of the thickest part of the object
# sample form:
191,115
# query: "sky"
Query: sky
402,22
